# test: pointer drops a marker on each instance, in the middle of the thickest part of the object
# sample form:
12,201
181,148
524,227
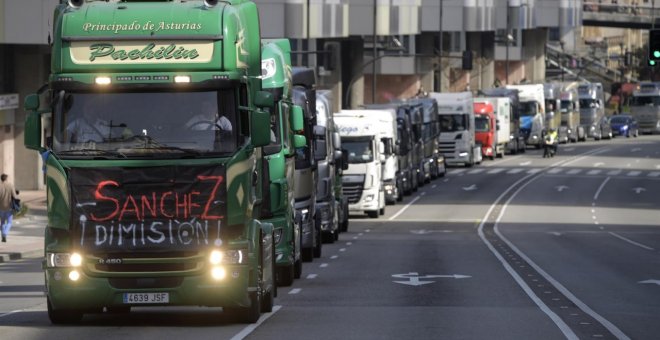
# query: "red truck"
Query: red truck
485,129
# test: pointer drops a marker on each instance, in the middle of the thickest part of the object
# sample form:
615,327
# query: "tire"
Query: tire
247,314
59,317
285,276
307,254
297,269
372,214
381,211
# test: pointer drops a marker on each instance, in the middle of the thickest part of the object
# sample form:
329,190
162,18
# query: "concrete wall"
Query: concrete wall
26,22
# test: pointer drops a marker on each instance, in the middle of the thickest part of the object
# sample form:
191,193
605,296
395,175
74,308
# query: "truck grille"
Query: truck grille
141,262
447,149
352,186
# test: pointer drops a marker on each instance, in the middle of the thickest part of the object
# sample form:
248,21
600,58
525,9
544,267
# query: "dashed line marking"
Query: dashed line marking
434,186
342,249
323,265
295,291
355,237
634,173
311,276
349,243
334,257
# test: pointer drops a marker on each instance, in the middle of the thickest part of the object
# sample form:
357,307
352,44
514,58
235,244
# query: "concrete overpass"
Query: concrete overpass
620,16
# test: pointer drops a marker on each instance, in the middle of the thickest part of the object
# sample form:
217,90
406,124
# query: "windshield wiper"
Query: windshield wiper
168,148
92,151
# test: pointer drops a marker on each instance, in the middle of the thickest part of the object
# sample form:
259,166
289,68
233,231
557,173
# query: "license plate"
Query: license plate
138,298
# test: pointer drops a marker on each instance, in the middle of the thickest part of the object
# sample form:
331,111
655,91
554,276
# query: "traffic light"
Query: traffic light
654,46
467,60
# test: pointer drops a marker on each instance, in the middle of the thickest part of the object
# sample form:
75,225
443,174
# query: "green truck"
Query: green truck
280,155
153,147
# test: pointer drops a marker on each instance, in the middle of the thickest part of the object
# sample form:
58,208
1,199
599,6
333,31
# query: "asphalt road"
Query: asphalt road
518,248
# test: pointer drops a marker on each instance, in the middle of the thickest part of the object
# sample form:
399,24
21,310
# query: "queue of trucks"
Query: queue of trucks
194,165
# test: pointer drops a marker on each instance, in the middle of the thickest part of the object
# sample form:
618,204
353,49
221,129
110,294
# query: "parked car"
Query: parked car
624,125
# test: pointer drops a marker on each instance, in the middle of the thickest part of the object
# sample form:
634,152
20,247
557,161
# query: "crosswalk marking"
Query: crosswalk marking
613,172
495,171
634,173
654,174
573,171
594,172
515,171
533,171
555,170
476,171
456,171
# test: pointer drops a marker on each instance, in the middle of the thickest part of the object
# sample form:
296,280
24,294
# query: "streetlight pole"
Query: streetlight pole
507,42
439,89
375,51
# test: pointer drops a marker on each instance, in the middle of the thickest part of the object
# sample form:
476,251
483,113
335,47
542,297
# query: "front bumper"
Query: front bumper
368,201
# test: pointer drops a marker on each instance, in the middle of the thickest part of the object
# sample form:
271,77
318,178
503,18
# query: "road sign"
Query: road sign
414,278
8,101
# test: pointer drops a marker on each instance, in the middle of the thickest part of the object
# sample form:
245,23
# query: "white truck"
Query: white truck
362,182
495,134
456,116
532,112
645,107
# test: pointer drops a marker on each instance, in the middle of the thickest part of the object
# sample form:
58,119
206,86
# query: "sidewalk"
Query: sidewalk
26,237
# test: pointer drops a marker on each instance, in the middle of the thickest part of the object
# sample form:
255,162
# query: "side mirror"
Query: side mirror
381,147
337,155
299,141
264,99
297,123
31,102
319,130
344,159
336,141
32,137
260,128
320,150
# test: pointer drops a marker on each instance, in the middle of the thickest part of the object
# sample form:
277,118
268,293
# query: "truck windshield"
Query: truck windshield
481,124
645,101
145,124
566,105
588,103
527,108
453,122
359,150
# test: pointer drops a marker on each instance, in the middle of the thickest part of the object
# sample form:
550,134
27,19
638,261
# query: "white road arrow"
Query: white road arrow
599,164
414,278
525,163
657,282
470,188
561,188
639,190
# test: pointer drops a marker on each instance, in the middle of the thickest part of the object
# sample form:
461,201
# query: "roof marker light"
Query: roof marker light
103,80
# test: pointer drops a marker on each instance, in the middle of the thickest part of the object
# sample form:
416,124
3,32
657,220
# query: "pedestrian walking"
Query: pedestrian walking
7,196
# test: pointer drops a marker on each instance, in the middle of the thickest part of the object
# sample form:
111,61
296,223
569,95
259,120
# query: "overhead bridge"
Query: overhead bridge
622,16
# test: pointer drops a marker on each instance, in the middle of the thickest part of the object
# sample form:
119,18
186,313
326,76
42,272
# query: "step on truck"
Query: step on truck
492,117
153,159
330,202
304,95
362,181
457,130
285,118
516,142
532,113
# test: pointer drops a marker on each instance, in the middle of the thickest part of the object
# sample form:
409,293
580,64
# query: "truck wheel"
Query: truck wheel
247,314
285,276
297,269
307,254
63,316
343,226
372,214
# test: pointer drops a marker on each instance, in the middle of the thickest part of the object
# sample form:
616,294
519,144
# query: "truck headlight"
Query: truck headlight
215,257
59,260
462,154
230,256
369,198
389,186
218,273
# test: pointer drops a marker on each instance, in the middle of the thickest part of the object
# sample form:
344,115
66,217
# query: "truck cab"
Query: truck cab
532,112
570,114
516,141
645,107
362,181
492,125
457,131
592,108
553,109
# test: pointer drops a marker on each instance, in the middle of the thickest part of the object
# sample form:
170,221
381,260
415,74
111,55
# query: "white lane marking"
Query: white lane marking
355,237
533,171
515,171
360,234
250,328
573,171
295,291
568,332
12,312
404,208
594,172
323,265
555,171
349,243
630,241
600,188
476,171
525,163
654,174
495,171
614,172
311,276
434,186
367,230
334,257
634,173
422,193
563,327
342,249
593,211
456,171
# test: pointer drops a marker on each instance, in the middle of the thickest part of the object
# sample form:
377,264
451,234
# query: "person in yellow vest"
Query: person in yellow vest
550,143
